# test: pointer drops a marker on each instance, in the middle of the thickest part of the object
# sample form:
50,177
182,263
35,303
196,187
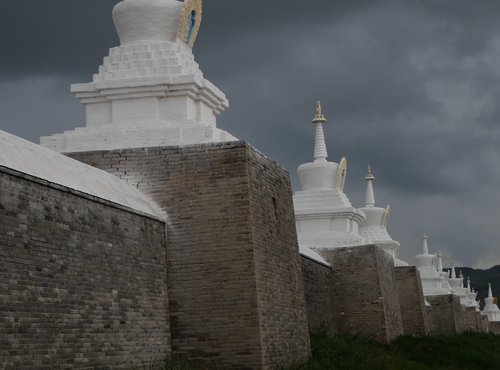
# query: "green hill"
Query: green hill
481,278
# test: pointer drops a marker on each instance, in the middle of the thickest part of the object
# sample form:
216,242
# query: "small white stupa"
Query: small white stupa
325,217
432,281
374,227
472,296
149,90
457,286
444,275
491,308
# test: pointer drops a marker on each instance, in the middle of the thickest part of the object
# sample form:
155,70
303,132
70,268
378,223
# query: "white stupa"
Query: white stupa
491,308
472,295
325,217
374,227
457,286
432,281
444,275
149,90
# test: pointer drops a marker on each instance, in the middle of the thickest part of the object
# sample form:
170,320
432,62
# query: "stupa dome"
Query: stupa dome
147,20
322,175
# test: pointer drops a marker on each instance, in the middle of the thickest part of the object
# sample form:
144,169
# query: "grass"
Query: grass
468,351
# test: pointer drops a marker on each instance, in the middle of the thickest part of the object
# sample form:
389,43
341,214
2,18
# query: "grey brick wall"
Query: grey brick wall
235,287
494,327
82,282
318,285
445,314
365,295
412,302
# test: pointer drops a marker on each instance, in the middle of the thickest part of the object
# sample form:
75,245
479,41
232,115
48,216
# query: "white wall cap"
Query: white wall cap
309,253
26,157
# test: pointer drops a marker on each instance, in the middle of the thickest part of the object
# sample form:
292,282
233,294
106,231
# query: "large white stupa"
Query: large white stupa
374,227
325,217
149,90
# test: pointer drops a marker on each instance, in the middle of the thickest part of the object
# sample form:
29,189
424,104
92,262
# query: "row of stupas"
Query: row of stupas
326,220
325,217
437,281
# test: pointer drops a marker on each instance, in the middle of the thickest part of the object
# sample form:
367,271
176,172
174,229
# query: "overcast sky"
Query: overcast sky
410,86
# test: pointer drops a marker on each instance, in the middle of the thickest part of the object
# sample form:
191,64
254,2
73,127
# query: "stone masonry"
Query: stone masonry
234,279
82,280
365,295
412,301
445,315
318,285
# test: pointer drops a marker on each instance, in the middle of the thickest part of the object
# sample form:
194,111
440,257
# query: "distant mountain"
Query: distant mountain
480,278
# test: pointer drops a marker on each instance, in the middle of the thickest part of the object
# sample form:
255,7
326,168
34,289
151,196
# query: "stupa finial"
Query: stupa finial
320,152
490,293
370,174
370,193
319,117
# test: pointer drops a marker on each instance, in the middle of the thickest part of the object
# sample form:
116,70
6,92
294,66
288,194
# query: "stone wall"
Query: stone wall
234,279
318,286
483,324
365,295
82,281
412,302
474,321
445,314
494,327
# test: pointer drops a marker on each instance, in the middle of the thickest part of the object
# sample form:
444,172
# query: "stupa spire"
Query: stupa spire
370,194
440,261
452,271
490,293
320,152
425,247
468,284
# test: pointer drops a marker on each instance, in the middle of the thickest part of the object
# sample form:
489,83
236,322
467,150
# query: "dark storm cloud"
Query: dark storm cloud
54,36
411,86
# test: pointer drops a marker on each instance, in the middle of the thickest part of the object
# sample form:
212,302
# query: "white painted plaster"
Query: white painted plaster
24,156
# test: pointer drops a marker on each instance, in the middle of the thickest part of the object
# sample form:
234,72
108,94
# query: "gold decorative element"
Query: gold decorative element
341,174
187,31
370,174
495,300
387,213
319,116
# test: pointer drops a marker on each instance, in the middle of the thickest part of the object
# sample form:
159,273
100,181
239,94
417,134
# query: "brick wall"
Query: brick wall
365,296
444,314
235,287
483,323
82,282
474,321
412,302
494,327
318,286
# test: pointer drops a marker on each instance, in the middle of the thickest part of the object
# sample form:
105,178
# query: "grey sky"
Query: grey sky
410,86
